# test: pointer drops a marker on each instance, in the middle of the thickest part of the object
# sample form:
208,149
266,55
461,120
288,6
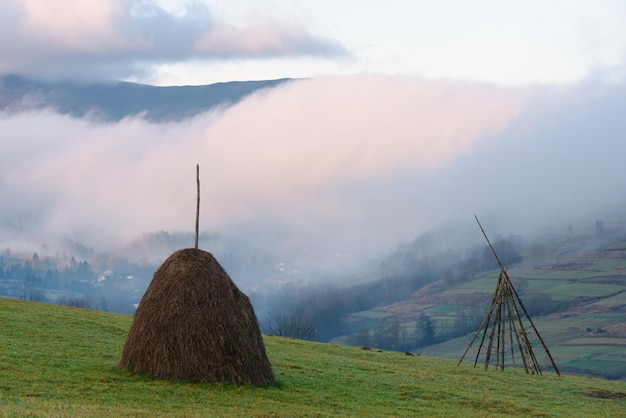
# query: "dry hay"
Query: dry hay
193,323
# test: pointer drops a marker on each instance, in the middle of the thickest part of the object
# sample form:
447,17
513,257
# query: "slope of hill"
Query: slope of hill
573,287
114,101
58,361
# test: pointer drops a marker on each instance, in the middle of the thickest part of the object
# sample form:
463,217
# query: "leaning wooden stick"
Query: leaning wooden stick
197,204
514,292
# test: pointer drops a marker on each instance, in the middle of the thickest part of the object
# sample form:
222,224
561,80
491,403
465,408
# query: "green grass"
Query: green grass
616,246
58,361
582,289
548,274
574,348
445,308
613,300
372,314
480,284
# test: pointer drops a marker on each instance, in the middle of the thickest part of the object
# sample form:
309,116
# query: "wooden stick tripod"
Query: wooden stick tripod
505,313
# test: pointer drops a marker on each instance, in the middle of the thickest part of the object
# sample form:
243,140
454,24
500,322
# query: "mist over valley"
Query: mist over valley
348,197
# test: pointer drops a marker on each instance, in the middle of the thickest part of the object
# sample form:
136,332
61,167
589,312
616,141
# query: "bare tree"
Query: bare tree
390,337
75,301
34,295
426,328
293,323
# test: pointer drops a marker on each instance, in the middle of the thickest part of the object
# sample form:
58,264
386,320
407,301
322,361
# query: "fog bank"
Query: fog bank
326,166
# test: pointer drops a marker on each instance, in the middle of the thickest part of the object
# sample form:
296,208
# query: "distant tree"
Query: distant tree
84,269
360,339
75,301
51,277
325,309
33,295
600,228
293,323
32,279
73,265
538,304
427,330
389,338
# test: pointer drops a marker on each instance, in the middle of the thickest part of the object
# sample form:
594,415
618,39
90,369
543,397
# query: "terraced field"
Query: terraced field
579,298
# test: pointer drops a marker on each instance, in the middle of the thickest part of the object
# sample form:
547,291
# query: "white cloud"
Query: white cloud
123,38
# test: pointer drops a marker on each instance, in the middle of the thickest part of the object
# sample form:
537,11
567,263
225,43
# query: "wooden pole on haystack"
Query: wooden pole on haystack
197,205
506,303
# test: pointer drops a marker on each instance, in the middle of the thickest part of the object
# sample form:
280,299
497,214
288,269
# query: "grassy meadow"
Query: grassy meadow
59,361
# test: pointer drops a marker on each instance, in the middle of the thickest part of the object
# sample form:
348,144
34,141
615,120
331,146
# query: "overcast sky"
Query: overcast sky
205,41
414,113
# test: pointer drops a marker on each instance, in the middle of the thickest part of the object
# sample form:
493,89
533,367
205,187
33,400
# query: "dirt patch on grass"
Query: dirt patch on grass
619,329
604,394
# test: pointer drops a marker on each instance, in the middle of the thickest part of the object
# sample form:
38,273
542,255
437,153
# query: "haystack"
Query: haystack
193,323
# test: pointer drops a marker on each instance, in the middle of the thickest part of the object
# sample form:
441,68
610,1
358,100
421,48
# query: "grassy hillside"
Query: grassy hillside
58,361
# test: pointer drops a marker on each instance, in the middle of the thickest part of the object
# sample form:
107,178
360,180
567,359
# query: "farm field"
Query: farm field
60,361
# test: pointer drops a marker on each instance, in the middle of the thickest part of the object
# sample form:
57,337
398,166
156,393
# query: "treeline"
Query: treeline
47,272
321,315
64,280
412,266
78,276
422,332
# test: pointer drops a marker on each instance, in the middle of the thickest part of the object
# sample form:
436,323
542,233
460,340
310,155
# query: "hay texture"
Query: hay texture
193,323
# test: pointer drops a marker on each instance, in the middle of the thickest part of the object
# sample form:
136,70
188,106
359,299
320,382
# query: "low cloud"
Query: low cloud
357,163
122,38
559,163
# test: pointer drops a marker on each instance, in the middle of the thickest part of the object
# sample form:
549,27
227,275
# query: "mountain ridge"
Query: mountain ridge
111,102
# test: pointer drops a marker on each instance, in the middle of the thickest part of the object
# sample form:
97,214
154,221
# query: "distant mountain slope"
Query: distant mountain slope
114,101
574,287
